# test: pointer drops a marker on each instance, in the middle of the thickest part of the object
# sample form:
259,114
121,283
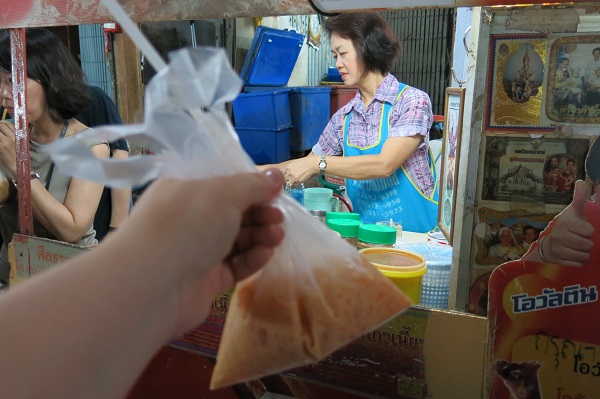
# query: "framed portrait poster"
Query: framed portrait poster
453,119
516,81
532,170
501,236
573,93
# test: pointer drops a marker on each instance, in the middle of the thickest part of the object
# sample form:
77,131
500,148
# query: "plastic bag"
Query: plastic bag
314,296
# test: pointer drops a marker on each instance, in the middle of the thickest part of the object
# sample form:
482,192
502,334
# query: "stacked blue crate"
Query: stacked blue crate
261,113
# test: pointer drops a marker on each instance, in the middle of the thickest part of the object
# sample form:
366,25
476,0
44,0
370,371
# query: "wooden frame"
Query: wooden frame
453,120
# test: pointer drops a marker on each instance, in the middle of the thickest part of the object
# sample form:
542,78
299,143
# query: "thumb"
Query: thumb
580,198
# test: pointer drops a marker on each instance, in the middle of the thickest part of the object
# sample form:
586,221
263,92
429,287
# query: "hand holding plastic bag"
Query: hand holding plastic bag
316,294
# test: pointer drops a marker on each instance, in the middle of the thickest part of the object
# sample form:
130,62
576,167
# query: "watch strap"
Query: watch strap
323,163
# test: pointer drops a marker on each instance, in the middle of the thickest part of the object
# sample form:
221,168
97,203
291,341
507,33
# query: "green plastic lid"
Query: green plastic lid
346,227
342,215
376,234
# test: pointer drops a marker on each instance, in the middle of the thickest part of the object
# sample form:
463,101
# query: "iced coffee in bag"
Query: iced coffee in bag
309,301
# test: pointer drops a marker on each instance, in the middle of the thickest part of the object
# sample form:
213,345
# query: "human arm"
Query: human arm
394,153
568,238
67,221
120,197
106,312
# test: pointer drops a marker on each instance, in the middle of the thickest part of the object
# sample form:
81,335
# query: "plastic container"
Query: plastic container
348,229
309,109
271,57
318,199
405,269
436,282
373,235
391,223
337,184
340,96
333,75
296,191
342,215
263,109
265,146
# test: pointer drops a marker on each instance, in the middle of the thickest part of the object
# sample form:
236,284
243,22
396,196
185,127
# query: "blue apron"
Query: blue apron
395,197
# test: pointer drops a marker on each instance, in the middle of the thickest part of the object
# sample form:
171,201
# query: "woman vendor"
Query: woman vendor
378,141
63,207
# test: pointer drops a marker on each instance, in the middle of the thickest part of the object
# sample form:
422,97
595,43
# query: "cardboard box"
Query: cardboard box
30,255
423,353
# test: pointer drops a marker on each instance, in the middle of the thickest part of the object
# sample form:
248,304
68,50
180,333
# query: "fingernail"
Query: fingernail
275,176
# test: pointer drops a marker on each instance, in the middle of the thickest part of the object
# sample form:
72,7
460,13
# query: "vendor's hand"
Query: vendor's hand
8,157
570,241
206,234
301,169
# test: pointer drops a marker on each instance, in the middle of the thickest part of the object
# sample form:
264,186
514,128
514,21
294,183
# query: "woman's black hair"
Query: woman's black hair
371,36
50,63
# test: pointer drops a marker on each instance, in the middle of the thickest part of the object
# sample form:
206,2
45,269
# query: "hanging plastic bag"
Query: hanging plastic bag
314,296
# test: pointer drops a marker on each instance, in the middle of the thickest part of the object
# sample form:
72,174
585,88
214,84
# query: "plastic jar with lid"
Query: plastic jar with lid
373,235
342,215
347,228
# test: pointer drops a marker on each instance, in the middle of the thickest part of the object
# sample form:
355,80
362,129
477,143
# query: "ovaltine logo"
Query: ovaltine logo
550,298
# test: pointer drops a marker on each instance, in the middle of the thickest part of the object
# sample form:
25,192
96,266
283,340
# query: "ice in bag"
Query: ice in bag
315,295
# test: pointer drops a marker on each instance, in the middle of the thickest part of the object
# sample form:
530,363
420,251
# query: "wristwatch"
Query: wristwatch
322,164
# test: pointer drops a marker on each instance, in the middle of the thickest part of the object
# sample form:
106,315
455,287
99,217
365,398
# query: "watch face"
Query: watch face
322,165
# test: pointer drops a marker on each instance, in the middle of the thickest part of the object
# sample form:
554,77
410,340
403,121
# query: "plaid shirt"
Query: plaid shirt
410,116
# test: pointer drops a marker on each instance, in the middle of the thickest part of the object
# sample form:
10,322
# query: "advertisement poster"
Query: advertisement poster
544,328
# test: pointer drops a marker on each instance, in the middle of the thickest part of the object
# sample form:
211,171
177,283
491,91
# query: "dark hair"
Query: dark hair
376,46
50,63
529,227
596,49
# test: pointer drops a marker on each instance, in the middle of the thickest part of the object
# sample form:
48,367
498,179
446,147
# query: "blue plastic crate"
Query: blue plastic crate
310,114
271,57
265,146
333,75
267,108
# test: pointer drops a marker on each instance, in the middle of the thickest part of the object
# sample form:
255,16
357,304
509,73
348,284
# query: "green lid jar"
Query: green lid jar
347,228
373,235
342,215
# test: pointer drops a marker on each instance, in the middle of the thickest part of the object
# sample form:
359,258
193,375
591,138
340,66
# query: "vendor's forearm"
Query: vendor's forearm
359,167
280,166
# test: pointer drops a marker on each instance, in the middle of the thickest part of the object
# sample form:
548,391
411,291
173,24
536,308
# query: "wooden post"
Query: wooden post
19,92
128,75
